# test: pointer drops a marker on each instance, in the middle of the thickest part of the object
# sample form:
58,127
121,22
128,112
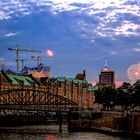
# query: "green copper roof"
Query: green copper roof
70,79
18,79
61,79
14,81
75,81
90,88
79,81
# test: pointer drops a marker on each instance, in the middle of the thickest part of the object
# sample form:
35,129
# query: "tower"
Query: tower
107,77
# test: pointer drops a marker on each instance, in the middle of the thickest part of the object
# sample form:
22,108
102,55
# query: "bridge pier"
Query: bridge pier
60,120
69,122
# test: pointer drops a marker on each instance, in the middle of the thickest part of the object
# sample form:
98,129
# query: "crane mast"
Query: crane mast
23,62
17,49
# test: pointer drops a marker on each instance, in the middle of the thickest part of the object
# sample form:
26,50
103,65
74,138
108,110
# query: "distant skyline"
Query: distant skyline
82,34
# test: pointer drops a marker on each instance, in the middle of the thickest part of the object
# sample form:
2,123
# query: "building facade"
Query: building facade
73,89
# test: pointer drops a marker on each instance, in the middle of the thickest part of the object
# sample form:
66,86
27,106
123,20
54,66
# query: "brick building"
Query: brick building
77,90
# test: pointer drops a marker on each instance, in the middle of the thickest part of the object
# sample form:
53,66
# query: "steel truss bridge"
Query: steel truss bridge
34,100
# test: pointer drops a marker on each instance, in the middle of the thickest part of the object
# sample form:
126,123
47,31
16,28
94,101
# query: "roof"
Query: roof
80,82
81,76
75,81
26,80
91,88
39,68
61,79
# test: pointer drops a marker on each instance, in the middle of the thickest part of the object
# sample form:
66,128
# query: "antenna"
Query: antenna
105,62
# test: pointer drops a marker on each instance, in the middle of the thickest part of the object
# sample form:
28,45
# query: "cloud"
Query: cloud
2,59
3,15
11,34
90,30
108,15
12,8
136,49
6,62
88,6
113,53
127,28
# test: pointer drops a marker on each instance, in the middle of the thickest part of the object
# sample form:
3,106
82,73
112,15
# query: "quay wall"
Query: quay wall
133,123
112,122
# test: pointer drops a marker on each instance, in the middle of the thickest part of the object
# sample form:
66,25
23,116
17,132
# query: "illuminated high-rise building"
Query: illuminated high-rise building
107,77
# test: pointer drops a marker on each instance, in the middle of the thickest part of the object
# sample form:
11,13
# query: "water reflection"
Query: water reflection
51,137
65,136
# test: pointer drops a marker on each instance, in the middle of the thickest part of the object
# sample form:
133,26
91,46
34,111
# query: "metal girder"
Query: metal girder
34,100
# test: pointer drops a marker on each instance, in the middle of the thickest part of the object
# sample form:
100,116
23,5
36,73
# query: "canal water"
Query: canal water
68,136
51,133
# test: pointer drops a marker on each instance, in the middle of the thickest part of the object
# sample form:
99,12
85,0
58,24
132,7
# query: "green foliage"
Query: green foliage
136,93
105,95
126,95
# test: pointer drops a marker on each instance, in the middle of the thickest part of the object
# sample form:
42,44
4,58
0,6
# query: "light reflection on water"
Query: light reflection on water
65,136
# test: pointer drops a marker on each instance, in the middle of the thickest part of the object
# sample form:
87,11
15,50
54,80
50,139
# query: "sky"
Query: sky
81,33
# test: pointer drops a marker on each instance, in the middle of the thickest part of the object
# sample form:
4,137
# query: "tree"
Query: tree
136,93
124,94
106,96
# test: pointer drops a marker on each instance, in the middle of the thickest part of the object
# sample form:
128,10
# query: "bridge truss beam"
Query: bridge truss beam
28,99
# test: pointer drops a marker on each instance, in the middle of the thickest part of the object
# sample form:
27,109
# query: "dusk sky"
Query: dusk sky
82,34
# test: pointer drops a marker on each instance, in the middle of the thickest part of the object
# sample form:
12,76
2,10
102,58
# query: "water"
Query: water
68,136
54,135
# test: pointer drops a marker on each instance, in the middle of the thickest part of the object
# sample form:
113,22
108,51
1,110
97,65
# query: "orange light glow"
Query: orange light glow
50,53
51,137
105,69
39,74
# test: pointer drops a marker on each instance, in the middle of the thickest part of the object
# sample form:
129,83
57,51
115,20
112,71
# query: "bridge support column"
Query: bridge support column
60,120
69,122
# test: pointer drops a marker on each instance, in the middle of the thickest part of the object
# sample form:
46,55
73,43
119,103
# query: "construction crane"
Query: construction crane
23,62
38,58
17,49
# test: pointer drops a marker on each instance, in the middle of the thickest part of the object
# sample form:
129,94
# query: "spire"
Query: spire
105,66
106,63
